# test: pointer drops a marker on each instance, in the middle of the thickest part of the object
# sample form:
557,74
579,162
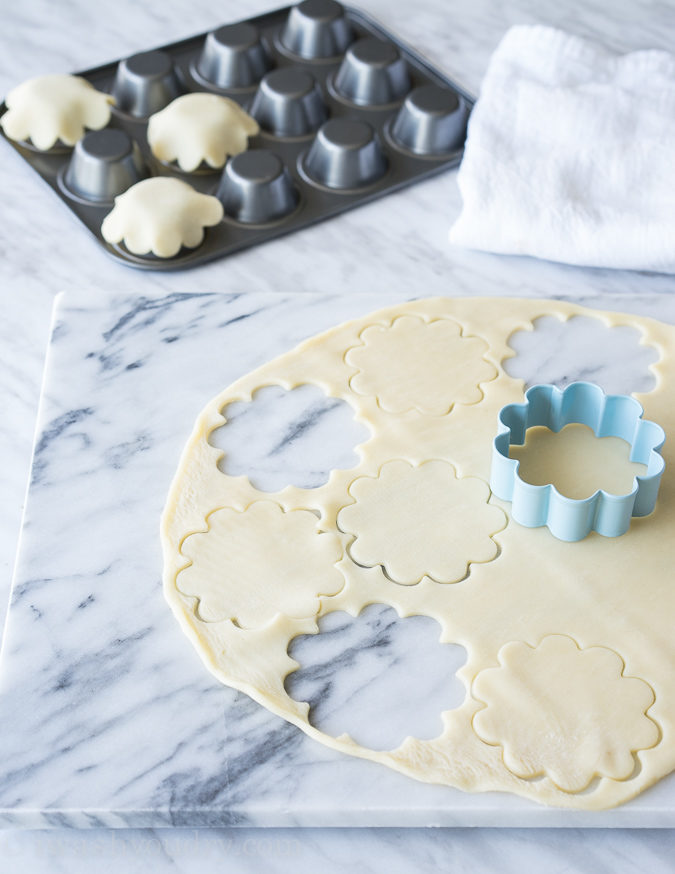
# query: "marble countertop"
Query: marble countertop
397,246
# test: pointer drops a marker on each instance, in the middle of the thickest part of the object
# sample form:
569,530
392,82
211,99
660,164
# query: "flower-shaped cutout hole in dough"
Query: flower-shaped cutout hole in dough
53,108
412,364
250,566
563,712
283,438
576,462
200,128
582,348
160,215
421,521
377,677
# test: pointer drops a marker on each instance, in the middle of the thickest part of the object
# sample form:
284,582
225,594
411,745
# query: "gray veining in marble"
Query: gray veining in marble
398,244
582,348
297,447
107,716
377,677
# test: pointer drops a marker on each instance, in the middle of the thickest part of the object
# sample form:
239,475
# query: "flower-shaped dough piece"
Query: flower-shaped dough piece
55,107
564,712
421,521
417,365
200,127
252,565
160,215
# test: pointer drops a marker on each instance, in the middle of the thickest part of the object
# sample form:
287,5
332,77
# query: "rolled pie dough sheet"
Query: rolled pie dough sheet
570,676
200,127
160,215
53,108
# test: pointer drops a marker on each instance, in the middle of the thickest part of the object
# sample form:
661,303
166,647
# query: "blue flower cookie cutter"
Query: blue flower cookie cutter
608,415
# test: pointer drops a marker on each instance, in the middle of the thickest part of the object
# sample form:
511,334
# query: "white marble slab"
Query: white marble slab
107,716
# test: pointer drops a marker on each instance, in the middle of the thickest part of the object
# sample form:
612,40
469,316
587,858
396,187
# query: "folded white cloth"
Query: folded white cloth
570,154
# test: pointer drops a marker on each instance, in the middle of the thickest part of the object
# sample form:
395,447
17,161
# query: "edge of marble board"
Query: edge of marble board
26,491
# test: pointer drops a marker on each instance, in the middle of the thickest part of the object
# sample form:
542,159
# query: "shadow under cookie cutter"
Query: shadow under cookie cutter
608,416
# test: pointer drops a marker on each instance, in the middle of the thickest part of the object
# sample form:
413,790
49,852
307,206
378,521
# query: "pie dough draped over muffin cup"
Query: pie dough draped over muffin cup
160,215
200,128
54,108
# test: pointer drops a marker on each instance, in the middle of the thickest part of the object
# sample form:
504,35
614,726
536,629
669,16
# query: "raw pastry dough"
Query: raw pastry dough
160,215
200,127
433,367
228,558
576,635
566,713
385,522
55,107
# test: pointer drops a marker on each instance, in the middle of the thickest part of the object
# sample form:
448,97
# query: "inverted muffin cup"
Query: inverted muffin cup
145,83
289,103
317,30
432,121
373,73
104,163
233,57
345,155
256,188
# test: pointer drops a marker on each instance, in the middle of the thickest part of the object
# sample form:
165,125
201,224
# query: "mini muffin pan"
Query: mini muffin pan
346,114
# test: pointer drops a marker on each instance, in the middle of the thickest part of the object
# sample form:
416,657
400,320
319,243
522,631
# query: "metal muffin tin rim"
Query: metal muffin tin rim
291,56
393,143
73,195
320,186
58,149
216,89
183,252
279,138
359,107
254,226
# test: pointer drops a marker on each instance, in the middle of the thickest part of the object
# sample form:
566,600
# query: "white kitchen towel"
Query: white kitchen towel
570,154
